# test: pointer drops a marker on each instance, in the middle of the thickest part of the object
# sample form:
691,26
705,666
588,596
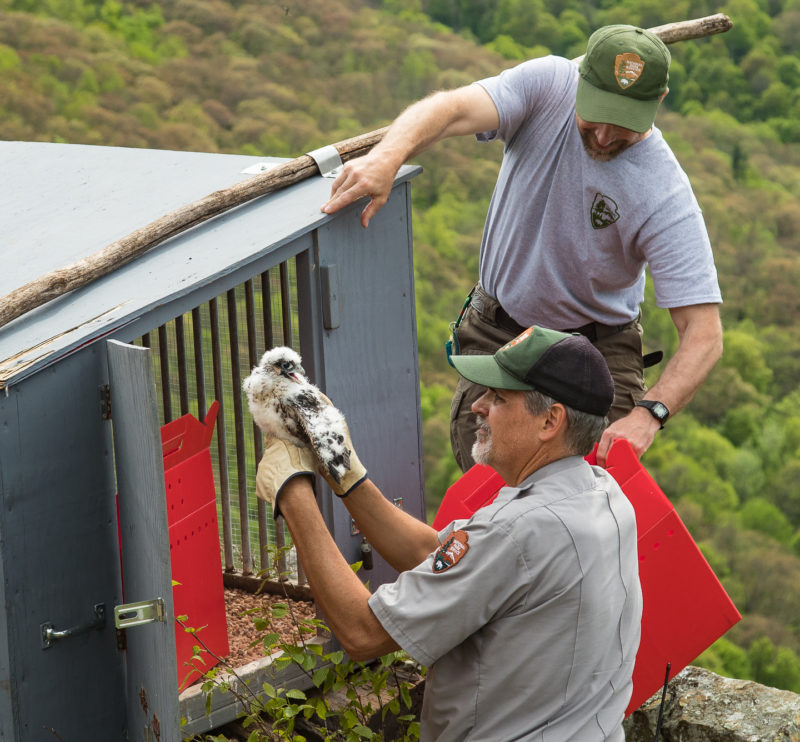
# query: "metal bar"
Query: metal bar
286,308
269,339
163,359
261,509
199,367
241,462
180,343
308,322
266,309
146,340
222,454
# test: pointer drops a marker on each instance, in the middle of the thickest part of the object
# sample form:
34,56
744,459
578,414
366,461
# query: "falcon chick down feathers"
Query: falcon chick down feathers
285,405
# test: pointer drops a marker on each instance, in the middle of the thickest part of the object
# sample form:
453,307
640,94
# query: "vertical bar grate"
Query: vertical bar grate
203,355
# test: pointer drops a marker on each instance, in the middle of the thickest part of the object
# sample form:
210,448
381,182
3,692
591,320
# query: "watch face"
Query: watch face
660,410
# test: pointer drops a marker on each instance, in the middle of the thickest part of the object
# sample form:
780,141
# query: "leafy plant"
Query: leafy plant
347,701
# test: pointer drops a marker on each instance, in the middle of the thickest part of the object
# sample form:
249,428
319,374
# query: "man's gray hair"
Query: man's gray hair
583,429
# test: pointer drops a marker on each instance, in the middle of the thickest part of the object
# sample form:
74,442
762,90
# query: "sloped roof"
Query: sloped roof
62,202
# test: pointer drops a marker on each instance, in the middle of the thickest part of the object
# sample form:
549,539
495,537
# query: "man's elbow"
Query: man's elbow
715,341
366,642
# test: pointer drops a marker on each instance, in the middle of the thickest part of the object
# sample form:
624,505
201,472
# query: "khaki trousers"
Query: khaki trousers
485,327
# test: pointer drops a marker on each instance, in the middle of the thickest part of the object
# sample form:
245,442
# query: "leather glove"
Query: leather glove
281,462
342,471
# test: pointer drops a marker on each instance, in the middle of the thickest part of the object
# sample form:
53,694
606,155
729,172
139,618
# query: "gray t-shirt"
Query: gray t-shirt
528,617
567,238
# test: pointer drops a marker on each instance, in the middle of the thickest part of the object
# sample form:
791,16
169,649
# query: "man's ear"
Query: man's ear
664,95
555,422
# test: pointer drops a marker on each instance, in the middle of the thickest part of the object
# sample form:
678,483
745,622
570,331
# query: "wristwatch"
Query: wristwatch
657,409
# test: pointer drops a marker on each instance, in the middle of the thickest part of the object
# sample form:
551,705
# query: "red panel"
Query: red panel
685,608
196,565
476,487
189,485
184,437
194,540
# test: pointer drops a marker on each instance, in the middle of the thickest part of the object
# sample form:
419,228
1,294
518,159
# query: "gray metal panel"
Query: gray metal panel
60,555
152,692
105,193
6,686
376,342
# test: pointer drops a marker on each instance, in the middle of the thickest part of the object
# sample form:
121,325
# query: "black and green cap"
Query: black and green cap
564,366
623,76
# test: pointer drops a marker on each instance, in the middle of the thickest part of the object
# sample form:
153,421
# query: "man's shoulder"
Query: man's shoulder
565,481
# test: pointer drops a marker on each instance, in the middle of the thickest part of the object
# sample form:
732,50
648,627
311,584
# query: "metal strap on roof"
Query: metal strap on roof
328,160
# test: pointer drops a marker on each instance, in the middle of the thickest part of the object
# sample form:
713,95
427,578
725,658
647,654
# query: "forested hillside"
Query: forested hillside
280,78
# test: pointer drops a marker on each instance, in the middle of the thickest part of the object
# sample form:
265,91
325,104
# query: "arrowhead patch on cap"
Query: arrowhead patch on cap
628,68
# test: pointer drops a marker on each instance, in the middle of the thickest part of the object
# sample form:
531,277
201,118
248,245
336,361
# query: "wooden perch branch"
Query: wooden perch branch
83,272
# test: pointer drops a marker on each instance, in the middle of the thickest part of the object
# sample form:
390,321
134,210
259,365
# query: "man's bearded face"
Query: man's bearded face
482,448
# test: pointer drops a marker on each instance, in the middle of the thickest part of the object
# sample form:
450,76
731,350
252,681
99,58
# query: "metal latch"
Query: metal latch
50,634
138,614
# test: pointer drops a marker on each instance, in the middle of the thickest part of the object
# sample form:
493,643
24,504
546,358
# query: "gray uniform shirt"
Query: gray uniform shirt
528,616
567,238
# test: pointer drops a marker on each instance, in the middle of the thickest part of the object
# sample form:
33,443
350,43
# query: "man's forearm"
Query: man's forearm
439,116
337,590
446,114
402,540
699,349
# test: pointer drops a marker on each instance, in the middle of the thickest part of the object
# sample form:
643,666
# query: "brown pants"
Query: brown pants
485,327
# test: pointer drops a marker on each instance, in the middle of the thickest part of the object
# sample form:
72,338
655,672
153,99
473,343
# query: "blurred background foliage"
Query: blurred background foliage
278,78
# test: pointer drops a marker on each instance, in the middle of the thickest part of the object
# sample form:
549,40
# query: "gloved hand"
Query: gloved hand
339,464
281,462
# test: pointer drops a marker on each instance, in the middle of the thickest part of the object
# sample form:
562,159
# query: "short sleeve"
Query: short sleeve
524,92
478,571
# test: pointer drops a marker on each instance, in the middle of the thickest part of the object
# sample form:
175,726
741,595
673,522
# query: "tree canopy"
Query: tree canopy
281,78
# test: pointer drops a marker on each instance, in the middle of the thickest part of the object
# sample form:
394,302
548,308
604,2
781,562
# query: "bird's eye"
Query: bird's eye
287,365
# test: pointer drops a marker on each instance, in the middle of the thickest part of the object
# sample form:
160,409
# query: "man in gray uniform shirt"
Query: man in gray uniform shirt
527,614
588,195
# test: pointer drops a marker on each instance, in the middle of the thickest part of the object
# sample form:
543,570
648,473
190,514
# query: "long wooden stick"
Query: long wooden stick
81,273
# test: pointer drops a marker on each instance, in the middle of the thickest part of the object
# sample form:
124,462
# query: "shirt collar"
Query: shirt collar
582,470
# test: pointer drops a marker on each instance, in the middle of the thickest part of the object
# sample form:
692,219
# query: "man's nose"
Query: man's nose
479,405
604,135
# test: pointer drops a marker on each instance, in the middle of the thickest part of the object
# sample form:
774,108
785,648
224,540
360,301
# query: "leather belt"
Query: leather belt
482,303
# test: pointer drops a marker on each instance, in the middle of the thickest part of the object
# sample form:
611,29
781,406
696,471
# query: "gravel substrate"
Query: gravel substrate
241,631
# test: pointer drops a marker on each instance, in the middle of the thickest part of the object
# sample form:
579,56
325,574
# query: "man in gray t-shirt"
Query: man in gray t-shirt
527,614
588,195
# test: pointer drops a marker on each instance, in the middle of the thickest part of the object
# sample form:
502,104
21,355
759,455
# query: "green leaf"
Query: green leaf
363,732
320,676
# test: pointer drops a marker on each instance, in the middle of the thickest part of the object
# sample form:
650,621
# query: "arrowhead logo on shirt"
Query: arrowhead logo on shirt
451,552
604,211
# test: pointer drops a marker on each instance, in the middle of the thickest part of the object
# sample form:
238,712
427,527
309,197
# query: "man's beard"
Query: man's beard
601,155
482,448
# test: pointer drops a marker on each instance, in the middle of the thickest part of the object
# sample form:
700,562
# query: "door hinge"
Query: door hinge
105,401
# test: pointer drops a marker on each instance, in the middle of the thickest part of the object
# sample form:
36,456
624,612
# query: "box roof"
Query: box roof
64,202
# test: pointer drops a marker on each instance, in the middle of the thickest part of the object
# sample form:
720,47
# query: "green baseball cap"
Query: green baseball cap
564,366
623,76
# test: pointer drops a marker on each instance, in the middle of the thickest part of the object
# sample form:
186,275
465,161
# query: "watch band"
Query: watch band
657,409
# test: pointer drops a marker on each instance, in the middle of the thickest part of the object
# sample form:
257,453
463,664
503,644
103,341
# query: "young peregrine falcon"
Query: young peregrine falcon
285,405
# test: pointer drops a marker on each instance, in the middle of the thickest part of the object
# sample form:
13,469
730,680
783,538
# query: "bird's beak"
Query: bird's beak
296,375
